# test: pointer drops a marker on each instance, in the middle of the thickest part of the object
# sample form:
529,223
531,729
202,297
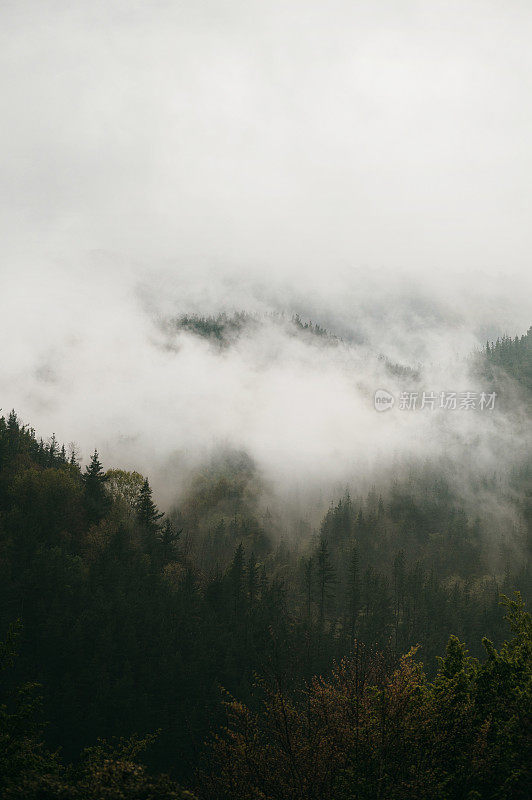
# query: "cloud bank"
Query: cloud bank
364,165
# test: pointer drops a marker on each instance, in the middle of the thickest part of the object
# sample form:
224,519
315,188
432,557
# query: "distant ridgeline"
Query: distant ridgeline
222,328
226,328
514,356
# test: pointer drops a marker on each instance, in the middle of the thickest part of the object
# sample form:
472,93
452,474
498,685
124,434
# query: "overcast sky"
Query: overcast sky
343,156
280,135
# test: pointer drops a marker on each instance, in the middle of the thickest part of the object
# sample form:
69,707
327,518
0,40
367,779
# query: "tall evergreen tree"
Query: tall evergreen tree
308,581
97,500
236,577
354,591
168,538
148,516
147,512
325,576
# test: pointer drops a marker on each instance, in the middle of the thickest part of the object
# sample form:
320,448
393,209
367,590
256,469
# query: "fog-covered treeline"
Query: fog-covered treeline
136,622
265,490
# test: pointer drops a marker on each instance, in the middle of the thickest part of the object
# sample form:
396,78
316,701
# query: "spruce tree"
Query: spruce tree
168,539
97,501
325,576
236,577
252,578
147,512
308,581
354,591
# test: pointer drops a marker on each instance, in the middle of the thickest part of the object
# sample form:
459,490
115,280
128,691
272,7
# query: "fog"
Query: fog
364,165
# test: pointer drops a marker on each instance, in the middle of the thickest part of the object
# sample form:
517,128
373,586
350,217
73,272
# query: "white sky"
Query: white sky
291,136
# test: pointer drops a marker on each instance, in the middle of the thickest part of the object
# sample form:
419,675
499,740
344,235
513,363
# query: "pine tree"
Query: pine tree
73,460
236,577
52,450
399,575
168,539
325,576
252,578
309,568
97,500
354,590
147,512
13,429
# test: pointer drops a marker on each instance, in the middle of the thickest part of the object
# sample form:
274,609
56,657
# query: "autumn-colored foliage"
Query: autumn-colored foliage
375,731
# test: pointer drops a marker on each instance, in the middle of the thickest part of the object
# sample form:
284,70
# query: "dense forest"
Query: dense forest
513,356
383,654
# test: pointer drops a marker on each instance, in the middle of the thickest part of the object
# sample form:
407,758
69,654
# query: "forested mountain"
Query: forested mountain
225,329
266,274
138,623
513,356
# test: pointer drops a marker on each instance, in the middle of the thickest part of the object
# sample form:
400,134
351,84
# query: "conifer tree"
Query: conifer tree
354,590
236,576
252,578
325,576
308,579
168,539
399,575
97,501
147,512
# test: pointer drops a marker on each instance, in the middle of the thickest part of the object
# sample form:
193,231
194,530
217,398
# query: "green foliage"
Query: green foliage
381,729
224,329
513,356
221,329
23,757
124,488
97,501
29,771
147,512
132,622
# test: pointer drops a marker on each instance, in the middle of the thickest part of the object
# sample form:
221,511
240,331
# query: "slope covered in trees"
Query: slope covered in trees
513,356
225,329
378,728
131,622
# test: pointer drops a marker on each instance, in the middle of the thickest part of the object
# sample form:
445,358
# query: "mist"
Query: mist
364,166
265,398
